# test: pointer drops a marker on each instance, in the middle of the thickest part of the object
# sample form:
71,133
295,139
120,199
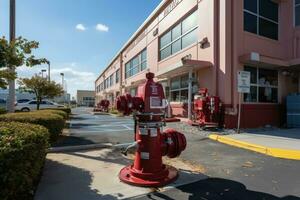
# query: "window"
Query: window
32,102
181,36
118,76
264,85
179,89
261,18
297,12
137,64
111,80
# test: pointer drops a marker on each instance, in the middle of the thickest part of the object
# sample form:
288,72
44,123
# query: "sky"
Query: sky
79,37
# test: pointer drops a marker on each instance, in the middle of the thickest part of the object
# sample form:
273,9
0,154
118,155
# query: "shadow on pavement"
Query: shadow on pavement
71,141
215,189
285,133
113,156
76,187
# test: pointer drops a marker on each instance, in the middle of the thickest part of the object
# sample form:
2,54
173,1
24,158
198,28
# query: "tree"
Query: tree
41,87
15,54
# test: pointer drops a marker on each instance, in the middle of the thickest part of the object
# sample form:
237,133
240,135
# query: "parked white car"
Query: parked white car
31,105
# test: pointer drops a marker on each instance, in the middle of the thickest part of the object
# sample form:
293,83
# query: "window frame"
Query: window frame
111,80
295,5
117,78
258,85
174,40
180,89
130,72
258,17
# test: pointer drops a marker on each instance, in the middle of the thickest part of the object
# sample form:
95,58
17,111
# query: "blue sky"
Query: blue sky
79,37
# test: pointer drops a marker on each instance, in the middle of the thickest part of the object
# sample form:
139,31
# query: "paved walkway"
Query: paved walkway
277,142
93,175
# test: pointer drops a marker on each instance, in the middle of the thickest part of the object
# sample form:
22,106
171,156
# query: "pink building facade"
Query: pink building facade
192,44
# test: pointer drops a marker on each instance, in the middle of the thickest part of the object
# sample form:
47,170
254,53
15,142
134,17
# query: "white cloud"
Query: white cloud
75,79
80,27
102,28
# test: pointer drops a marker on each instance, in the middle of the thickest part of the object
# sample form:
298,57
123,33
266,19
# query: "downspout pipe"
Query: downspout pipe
217,44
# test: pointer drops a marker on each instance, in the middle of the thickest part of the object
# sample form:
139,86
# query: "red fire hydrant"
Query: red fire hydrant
104,105
148,106
208,110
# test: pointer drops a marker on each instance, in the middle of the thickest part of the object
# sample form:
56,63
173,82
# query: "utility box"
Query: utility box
293,110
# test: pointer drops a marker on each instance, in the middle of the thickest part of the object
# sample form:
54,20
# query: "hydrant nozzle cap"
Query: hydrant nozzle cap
150,75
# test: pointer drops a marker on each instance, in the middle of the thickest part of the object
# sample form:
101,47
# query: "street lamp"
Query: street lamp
62,80
43,70
62,84
48,62
12,36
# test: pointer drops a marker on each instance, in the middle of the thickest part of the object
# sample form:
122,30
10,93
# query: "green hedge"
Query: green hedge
53,122
67,110
2,111
22,155
58,112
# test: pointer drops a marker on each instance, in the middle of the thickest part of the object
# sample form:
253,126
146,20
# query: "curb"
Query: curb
270,151
79,148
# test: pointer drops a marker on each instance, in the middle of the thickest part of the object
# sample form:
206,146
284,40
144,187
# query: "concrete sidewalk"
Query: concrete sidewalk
93,175
277,143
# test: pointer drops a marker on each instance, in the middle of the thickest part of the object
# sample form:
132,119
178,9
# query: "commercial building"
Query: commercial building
85,98
191,44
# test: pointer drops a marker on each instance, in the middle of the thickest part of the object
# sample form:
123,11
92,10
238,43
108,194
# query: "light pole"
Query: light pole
12,36
62,84
48,70
62,80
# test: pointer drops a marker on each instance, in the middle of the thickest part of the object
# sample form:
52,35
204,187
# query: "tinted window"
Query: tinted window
252,96
176,46
297,14
251,5
268,9
250,23
264,21
33,102
144,55
181,36
189,39
268,29
166,52
176,32
189,23
166,39
253,74
137,64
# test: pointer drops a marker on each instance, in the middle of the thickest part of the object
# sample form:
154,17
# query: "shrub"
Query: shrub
58,112
114,111
65,109
22,155
2,111
53,122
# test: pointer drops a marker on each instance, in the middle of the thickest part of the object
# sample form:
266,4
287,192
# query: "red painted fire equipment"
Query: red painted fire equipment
207,110
151,144
102,106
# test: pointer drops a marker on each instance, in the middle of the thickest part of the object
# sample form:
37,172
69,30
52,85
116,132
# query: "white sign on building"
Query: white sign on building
244,82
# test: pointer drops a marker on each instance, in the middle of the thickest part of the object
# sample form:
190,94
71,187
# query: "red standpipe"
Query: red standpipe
148,169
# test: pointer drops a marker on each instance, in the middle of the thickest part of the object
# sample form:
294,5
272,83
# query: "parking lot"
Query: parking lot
234,173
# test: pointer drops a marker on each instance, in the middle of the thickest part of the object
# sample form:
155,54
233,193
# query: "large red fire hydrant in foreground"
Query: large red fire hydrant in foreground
151,143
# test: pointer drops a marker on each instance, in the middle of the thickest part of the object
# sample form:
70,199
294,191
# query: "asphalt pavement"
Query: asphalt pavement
234,173
87,128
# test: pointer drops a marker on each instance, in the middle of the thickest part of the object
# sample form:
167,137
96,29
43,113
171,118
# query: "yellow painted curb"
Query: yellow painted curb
275,152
